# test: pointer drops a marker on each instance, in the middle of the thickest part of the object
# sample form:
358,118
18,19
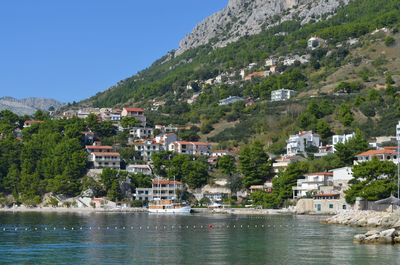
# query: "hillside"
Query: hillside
249,17
353,78
28,106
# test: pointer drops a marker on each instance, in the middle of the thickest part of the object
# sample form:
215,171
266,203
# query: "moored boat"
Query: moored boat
168,206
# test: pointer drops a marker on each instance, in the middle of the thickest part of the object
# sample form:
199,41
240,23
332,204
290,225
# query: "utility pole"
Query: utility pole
398,160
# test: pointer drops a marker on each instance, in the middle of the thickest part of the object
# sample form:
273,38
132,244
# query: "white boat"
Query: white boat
169,207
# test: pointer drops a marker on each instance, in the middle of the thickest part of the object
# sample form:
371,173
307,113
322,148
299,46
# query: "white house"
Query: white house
191,148
312,183
282,94
141,132
298,143
230,100
147,148
137,113
165,139
251,66
161,189
166,129
139,169
388,153
219,153
283,162
98,148
341,139
270,62
108,114
105,160
342,176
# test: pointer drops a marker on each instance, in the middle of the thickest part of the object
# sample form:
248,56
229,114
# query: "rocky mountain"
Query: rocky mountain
28,106
248,17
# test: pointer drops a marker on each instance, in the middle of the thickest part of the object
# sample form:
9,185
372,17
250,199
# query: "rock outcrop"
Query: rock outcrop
249,17
28,106
386,225
366,219
389,236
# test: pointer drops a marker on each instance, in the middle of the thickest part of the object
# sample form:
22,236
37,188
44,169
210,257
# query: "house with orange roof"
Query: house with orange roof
388,153
105,160
98,148
103,156
191,148
163,189
137,113
29,123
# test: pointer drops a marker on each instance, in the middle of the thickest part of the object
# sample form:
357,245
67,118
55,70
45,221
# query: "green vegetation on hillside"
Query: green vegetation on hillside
167,78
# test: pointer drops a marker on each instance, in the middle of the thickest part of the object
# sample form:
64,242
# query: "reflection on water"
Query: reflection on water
199,239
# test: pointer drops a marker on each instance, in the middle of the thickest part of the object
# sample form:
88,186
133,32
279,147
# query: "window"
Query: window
344,207
330,206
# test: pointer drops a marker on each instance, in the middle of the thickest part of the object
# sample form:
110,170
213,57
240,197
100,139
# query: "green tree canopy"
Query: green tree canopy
372,180
254,164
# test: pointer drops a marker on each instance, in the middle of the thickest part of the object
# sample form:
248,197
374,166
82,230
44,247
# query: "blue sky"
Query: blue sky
72,49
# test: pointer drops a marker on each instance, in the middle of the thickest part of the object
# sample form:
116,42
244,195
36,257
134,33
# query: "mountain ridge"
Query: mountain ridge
28,106
249,17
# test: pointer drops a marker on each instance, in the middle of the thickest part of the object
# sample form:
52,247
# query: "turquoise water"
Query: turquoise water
34,238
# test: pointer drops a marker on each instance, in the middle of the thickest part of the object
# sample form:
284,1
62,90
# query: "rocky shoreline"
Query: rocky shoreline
386,225
389,236
366,219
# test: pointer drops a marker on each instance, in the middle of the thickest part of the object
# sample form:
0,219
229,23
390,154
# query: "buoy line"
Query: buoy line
158,227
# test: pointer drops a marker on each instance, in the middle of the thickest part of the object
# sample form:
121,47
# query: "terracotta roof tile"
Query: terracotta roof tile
134,109
105,154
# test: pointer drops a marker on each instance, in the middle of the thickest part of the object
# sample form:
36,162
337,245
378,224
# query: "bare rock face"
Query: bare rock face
249,17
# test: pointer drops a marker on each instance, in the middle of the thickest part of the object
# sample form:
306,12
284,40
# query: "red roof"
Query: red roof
134,109
194,143
97,147
106,154
165,182
32,122
320,173
385,151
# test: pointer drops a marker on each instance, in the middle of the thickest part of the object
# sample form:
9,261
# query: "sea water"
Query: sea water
116,238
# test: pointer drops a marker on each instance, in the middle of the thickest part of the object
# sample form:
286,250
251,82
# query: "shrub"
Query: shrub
389,41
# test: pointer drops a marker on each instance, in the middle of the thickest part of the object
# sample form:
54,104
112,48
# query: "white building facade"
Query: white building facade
341,139
191,148
312,183
282,94
298,143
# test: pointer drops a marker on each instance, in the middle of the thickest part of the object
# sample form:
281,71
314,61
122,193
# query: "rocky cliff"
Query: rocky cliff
249,17
27,106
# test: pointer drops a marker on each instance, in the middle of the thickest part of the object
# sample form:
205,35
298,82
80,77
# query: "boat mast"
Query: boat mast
175,188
